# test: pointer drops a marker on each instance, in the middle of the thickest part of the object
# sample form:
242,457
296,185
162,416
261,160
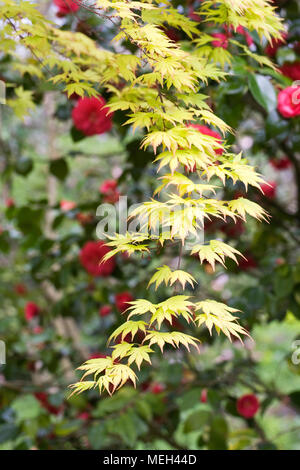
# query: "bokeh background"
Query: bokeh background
58,307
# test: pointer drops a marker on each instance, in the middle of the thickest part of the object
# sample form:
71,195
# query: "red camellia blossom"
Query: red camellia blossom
66,6
193,15
207,131
280,163
20,289
203,396
67,205
247,405
288,102
172,34
104,310
233,230
97,355
84,219
90,117
84,416
221,40
43,398
272,48
297,47
156,388
37,330
291,70
109,189
241,30
247,263
90,256
269,189
122,300
9,202
31,310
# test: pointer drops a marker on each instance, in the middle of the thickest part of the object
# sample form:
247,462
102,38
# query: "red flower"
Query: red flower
221,41
84,219
297,47
90,116
156,388
105,310
107,186
67,205
211,225
272,48
238,194
241,30
65,7
9,202
233,230
207,131
172,34
248,263
192,15
281,163
122,300
90,256
291,70
109,189
247,405
31,311
20,289
288,102
97,355
84,416
203,396
269,189
42,397
37,330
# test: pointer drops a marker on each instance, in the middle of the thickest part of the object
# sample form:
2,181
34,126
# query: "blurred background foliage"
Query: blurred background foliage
51,177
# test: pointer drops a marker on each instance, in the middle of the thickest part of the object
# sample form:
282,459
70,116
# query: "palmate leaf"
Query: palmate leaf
129,327
22,103
182,137
180,216
244,206
166,310
172,17
166,275
175,338
139,354
129,243
183,277
216,251
220,316
119,374
114,377
161,315
236,169
184,184
96,366
140,307
255,15
189,158
121,350
162,275
80,387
